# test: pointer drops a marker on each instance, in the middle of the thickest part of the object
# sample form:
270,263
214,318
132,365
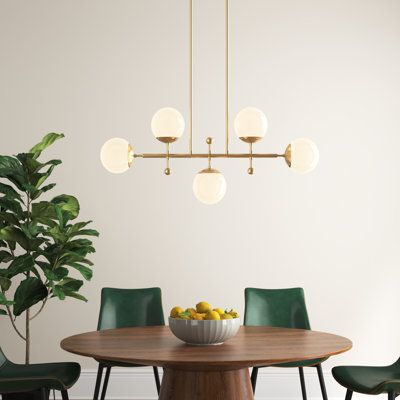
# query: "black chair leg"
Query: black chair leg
105,383
157,378
98,382
64,395
322,382
302,383
43,394
391,396
349,394
254,374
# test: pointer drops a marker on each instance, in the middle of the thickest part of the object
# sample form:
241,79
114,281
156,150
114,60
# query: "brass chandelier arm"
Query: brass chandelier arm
207,155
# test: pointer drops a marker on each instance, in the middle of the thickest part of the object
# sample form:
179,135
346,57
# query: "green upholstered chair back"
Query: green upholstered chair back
284,308
122,308
3,358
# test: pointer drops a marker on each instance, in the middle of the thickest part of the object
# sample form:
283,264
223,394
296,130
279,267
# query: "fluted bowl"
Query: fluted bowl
204,332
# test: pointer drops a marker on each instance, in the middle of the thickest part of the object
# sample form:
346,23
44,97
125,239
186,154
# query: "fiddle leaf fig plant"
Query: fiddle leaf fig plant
43,249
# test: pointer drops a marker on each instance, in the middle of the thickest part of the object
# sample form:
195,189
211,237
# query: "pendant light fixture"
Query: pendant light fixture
168,125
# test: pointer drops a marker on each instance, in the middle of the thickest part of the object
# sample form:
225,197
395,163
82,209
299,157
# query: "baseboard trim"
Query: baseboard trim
273,384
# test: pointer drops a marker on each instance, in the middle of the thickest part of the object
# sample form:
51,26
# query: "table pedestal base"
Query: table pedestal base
206,385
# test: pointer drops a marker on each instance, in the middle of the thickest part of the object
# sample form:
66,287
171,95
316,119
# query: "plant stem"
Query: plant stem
27,313
13,323
27,337
40,309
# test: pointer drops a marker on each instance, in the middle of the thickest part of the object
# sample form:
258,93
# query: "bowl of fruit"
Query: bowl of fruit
204,325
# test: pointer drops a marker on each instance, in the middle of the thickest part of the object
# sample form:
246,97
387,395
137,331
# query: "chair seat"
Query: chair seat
369,380
297,364
20,377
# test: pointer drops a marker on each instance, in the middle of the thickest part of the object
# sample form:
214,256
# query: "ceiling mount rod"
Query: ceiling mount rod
190,76
227,76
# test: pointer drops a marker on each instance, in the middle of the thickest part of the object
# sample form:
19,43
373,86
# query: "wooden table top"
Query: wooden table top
252,346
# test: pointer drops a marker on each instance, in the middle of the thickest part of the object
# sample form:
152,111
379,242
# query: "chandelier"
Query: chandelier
168,125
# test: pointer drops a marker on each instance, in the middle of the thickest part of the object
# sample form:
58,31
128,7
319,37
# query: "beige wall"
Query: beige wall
328,70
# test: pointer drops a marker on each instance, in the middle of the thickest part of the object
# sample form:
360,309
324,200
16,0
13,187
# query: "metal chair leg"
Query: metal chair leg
105,383
322,382
157,378
64,395
254,374
98,382
43,394
391,396
349,394
302,383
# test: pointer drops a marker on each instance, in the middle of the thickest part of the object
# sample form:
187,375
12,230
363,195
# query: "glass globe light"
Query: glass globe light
251,124
302,155
116,155
167,124
209,186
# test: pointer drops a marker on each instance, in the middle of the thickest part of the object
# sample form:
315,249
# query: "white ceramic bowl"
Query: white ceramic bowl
204,332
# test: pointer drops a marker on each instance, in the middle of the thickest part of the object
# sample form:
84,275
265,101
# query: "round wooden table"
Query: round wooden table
206,372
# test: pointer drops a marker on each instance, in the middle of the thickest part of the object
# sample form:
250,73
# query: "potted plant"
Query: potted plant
43,249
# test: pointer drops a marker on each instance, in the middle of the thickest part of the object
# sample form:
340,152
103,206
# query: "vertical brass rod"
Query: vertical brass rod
227,76
191,76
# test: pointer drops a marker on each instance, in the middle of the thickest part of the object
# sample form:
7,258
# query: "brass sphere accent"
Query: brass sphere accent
167,171
288,155
250,171
209,140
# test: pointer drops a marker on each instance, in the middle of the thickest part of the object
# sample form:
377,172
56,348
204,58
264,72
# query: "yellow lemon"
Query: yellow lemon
234,314
203,307
220,311
213,315
198,317
203,315
226,316
175,312
191,311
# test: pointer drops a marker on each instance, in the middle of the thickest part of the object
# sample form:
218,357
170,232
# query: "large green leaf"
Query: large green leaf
12,169
5,256
9,218
75,295
5,283
55,275
85,232
4,301
68,205
71,284
47,141
21,264
12,234
3,312
29,292
9,191
11,205
85,271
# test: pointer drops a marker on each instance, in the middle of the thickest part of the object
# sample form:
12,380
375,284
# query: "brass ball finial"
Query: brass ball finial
250,171
209,140
167,171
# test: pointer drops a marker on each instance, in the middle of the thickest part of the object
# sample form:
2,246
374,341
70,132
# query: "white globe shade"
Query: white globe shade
167,123
209,186
251,123
116,155
304,155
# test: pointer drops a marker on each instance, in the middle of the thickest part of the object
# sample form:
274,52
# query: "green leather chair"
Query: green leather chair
281,308
123,308
20,378
369,380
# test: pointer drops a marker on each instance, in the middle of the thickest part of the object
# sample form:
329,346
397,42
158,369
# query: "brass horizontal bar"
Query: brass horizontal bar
206,155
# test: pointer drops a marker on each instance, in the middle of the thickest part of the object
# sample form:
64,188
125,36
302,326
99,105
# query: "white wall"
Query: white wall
328,70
